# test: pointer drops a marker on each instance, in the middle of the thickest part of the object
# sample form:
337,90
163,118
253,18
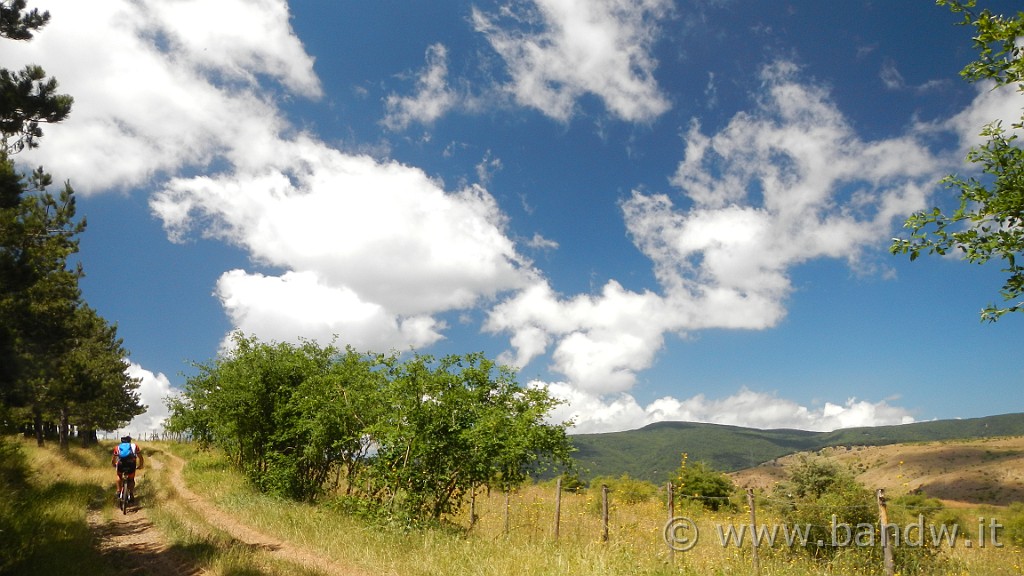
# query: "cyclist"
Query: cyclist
126,459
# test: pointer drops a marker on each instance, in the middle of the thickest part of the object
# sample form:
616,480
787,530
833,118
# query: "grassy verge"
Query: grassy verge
191,537
46,498
635,545
380,549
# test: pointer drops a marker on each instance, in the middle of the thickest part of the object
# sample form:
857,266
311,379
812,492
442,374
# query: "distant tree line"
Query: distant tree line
62,366
411,437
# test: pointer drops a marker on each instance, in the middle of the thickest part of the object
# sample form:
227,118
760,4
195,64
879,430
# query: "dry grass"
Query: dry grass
44,520
635,545
960,473
65,487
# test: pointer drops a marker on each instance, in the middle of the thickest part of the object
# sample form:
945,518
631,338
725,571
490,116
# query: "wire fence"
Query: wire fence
147,436
547,512
545,517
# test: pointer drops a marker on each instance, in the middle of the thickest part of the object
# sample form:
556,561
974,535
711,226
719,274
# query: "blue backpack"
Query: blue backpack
124,451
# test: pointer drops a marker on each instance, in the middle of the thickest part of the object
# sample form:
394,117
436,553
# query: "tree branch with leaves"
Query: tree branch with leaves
989,220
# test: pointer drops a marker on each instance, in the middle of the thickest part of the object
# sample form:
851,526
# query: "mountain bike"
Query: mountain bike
126,494
122,499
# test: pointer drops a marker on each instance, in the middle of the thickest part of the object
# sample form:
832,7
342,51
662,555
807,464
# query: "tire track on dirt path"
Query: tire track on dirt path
250,536
135,546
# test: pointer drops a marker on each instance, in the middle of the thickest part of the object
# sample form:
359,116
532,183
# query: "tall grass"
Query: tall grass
191,541
46,496
635,545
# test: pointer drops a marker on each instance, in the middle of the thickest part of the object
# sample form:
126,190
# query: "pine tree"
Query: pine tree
59,360
27,97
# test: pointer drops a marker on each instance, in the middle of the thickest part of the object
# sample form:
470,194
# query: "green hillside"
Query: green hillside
654,451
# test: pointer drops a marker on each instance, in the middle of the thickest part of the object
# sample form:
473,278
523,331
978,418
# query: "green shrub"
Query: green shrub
915,504
298,419
626,489
13,483
571,482
1013,525
699,480
822,495
949,518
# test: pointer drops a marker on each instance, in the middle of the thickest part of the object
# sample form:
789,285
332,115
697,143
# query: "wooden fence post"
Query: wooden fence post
753,532
604,512
558,505
472,509
506,512
883,521
671,497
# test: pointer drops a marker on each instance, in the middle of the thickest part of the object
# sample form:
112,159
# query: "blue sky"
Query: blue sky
659,210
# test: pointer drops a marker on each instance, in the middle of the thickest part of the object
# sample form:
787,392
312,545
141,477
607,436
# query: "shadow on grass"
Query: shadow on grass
976,490
145,556
41,537
83,458
45,530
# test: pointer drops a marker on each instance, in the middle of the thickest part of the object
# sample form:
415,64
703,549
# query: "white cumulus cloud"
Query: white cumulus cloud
154,389
592,413
558,50
433,96
298,304
380,245
782,184
162,86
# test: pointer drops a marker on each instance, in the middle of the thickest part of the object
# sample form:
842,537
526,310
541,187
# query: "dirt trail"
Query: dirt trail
133,544
250,536
142,549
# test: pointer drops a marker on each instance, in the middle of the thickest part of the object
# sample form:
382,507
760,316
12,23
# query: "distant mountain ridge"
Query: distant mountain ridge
654,452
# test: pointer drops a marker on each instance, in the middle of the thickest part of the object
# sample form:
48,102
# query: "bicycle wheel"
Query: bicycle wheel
122,496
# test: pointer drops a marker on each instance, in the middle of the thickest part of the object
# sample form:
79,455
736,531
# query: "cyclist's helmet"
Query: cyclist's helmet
126,438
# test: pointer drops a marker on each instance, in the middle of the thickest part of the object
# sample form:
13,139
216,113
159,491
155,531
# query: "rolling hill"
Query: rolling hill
959,472
653,452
